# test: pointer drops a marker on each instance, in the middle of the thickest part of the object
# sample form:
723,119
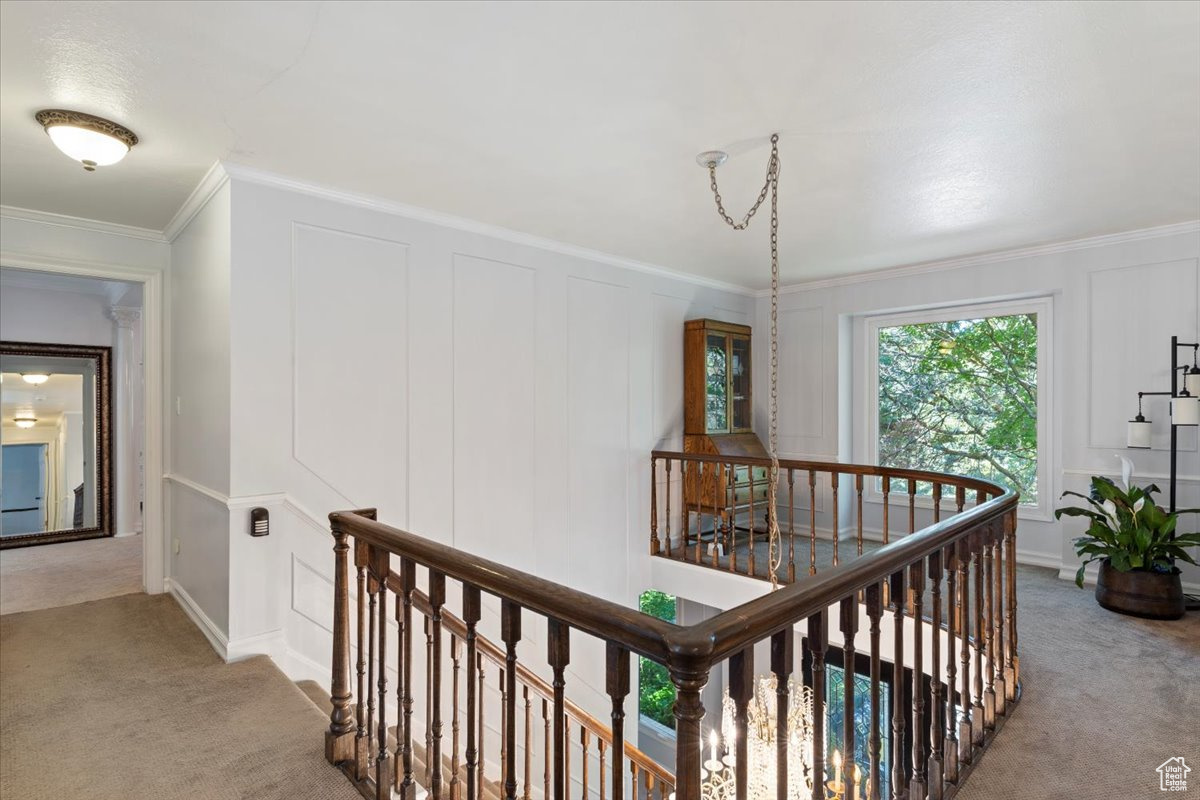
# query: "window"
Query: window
964,390
835,710
656,693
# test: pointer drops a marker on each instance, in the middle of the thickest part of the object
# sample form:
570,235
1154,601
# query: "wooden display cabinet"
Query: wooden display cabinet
718,420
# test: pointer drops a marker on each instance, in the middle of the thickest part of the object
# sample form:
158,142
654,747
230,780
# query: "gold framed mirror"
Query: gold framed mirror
56,481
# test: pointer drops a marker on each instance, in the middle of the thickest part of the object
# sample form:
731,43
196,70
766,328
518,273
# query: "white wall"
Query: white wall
198,410
1116,303
492,394
46,315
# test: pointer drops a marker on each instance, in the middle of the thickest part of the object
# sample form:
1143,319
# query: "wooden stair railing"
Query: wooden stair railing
934,744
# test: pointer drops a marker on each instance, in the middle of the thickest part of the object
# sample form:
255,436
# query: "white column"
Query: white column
126,491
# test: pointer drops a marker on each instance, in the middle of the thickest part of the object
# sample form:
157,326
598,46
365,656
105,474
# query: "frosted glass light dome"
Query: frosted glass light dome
92,141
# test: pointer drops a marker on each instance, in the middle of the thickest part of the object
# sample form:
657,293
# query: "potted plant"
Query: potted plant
1136,543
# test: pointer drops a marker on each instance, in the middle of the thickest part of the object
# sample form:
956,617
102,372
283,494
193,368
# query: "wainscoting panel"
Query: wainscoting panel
598,454
350,364
494,382
1128,349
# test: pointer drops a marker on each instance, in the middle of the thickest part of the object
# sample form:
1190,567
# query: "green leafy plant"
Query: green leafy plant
1128,528
656,696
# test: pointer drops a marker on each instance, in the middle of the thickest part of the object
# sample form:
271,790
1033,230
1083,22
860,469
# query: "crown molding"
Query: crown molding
210,184
261,177
81,223
994,257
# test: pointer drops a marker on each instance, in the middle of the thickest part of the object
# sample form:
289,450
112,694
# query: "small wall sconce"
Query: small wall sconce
260,522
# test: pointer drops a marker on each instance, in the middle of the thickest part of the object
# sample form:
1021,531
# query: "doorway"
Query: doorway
23,489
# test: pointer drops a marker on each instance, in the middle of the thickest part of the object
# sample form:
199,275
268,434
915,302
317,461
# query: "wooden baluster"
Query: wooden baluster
408,582
559,655
689,679
953,623
753,564
437,598
362,738
603,764
567,762
741,689
634,775
977,717
1012,672
896,586
717,527
834,480
428,701
936,716
791,479
340,737
528,741
584,746
455,765
989,644
380,566
617,659
858,489
917,596
479,776
503,689
849,620
813,519
471,608
937,502
782,655
912,506
668,509
732,524
546,739
817,638
965,736
960,498
369,742
887,492
510,633
874,601
654,505
697,471
998,622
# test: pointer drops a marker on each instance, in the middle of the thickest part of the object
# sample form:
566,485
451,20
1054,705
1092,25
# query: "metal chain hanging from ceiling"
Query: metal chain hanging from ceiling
771,185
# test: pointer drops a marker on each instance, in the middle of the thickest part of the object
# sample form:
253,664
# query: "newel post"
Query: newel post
689,679
339,739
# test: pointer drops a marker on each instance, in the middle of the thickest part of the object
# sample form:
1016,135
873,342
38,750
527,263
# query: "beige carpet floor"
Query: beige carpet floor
124,699
51,575
1107,699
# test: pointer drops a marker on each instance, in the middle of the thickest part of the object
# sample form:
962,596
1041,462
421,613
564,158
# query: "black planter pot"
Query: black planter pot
1154,595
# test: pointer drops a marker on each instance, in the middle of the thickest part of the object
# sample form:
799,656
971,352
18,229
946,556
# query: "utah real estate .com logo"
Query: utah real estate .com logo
1172,775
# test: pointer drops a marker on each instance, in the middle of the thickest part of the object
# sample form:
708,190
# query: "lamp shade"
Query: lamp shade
1138,435
1191,382
1185,410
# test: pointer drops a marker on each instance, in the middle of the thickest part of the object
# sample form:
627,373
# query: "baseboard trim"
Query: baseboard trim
269,644
201,620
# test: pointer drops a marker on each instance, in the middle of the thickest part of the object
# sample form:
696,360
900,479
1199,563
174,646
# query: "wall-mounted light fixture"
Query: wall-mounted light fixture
92,141
36,378
25,422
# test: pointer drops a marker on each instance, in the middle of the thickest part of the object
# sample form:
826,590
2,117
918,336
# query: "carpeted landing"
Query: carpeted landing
124,699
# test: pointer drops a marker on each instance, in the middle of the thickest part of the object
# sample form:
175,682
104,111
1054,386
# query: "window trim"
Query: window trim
1043,306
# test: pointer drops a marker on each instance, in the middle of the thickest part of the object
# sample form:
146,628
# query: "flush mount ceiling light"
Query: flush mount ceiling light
90,140
36,378
25,422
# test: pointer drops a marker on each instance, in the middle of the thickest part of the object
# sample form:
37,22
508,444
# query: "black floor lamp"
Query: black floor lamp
1185,411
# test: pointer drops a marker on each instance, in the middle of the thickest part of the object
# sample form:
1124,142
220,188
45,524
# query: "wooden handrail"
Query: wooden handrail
604,619
527,677
948,479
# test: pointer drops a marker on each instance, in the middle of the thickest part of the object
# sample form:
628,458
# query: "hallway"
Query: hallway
130,694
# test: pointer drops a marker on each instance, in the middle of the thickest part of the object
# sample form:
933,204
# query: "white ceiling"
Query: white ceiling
46,402
122,292
910,131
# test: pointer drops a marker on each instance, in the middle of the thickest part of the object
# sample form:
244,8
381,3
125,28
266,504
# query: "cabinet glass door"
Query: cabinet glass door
716,384
739,382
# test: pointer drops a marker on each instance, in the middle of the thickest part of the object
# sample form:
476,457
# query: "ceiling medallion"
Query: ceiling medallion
92,141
